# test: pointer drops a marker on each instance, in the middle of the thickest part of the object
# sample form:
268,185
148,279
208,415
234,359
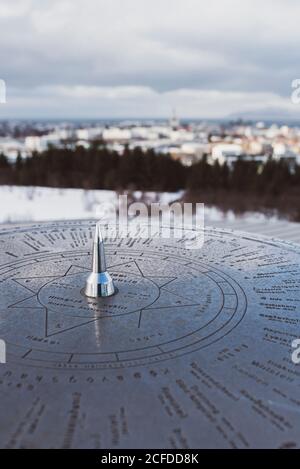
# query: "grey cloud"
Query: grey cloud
223,45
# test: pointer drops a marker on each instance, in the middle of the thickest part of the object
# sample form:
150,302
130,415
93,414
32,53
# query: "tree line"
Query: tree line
100,168
95,168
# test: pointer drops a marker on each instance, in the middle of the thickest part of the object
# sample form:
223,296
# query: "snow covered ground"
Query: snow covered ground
30,204
25,204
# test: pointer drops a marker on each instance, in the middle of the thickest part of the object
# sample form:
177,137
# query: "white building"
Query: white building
283,151
182,135
226,152
40,144
11,148
89,133
33,143
115,134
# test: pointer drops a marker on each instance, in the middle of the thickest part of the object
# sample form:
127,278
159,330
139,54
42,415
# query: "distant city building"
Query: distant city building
226,153
115,134
11,148
174,121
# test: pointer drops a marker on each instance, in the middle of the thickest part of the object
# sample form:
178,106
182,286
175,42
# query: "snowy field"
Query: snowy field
26,204
31,204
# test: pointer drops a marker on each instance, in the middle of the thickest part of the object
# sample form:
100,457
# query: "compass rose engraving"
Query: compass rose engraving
164,307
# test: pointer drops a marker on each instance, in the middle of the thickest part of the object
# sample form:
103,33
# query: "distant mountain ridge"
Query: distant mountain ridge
275,114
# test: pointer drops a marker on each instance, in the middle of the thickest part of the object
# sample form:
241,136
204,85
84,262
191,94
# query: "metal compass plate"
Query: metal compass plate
193,351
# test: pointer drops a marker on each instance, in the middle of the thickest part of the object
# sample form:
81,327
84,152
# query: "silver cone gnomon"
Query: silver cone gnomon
99,283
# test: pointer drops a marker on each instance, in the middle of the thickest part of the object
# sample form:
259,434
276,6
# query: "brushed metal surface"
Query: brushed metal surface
194,350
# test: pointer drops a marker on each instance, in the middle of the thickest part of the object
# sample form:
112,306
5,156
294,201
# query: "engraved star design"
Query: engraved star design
56,322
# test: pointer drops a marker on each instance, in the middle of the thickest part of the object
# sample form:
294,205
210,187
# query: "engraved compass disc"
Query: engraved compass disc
193,351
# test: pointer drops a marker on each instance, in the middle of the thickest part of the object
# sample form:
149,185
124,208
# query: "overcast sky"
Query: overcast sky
142,58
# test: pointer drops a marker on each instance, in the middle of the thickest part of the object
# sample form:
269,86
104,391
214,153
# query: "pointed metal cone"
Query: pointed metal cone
99,283
99,262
